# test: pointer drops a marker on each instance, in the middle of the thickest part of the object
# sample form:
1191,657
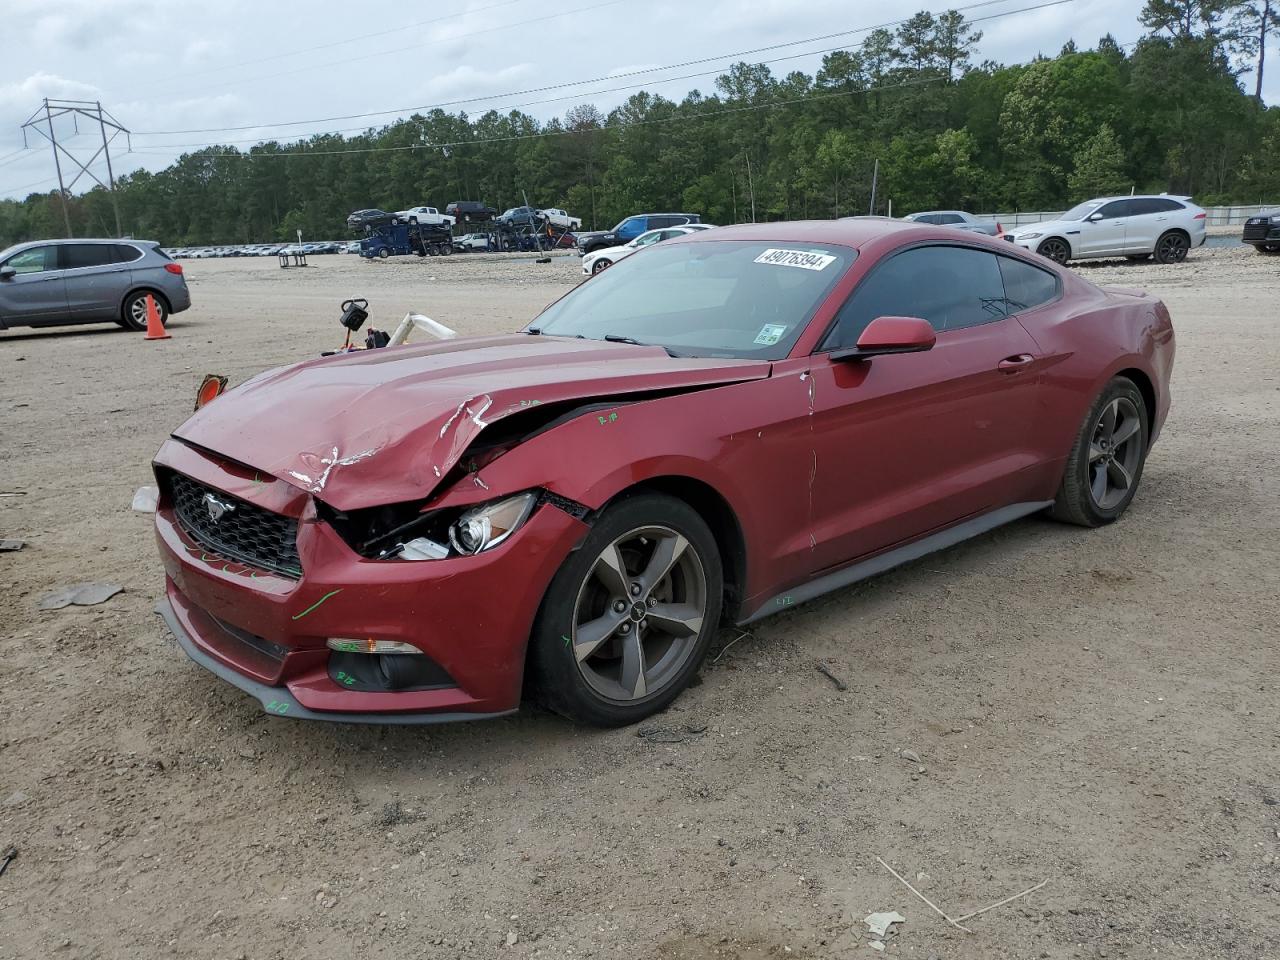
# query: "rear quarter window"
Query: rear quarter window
1025,286
127,253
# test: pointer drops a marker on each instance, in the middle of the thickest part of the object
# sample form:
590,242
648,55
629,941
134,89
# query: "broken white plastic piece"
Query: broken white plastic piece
417,321
878,924
145,499
421,548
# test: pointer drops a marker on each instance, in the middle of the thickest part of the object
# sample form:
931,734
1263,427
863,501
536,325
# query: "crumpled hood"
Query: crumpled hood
383,426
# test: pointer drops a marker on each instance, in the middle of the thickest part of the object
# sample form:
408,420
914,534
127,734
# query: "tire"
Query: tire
447,250
1172,247
598,654
601,264
133,312
1267,247
384,253
433,251
1085,499
1056,249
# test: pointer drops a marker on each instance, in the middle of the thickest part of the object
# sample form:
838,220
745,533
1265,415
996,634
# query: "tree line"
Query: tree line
1167,113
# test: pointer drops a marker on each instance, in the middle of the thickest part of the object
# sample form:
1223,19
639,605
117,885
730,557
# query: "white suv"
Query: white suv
1133,227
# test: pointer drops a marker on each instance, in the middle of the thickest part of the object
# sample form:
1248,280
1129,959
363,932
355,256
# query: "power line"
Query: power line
416,46
558,86
593,93
187,74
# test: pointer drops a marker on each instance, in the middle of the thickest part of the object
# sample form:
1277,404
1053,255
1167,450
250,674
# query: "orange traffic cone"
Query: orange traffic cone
155,329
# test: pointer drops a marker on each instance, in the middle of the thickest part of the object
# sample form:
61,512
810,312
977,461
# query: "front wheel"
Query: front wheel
627,620
600,265
1105,464
1172,247
384,253
1056,249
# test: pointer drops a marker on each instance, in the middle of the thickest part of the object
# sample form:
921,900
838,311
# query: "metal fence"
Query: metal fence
1217,216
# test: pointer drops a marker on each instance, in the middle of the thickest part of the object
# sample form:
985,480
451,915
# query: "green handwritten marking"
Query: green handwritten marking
277,706
609,419
252,575
224,567
346,678
299,616
348,646
255,477
208,559
784,601
566,640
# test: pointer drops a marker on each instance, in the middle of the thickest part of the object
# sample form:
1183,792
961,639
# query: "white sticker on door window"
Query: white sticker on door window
796,258
770,334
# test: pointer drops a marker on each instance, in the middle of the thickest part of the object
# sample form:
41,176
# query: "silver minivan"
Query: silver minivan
48,283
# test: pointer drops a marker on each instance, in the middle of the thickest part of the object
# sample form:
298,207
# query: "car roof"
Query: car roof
850,232
63,241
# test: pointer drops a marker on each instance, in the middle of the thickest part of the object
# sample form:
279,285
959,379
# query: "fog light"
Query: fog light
369,645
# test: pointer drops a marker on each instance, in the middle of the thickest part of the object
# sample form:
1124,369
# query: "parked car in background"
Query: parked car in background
607,257
560,218
958,219
472,242
630,228
362,219
470,211
521,217
637,468
1132,227
1263,231
428,216
54,282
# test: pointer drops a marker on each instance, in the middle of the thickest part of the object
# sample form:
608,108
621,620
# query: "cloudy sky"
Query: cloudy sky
244,70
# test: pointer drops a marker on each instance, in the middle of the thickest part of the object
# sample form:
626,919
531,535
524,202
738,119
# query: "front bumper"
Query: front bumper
266,633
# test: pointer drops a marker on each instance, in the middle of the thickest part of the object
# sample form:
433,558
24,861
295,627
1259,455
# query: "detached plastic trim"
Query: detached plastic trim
280,702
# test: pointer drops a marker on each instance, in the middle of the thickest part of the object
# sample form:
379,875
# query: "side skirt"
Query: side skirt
895,557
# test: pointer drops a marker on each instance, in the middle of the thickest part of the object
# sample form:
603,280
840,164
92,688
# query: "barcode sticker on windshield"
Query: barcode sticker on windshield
796,258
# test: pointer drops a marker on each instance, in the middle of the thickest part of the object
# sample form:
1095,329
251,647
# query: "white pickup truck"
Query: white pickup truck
562,219
426,215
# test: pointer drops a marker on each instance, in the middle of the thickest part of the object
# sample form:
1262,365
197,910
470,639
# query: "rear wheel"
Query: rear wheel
1056,249
628,618
133,315
1172,247
1105,465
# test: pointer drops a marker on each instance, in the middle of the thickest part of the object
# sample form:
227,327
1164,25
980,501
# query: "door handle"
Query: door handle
1014,364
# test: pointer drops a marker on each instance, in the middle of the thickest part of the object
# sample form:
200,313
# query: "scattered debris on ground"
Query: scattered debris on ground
9,856
80,594
826,672
8,546
670,733
145,499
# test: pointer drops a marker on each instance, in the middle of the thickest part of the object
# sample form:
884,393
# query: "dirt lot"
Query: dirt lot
1094,708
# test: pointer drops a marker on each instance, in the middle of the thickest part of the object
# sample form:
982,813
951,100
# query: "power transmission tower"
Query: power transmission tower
91,110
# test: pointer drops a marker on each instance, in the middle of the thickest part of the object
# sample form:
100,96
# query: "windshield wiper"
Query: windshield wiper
614,338
533,331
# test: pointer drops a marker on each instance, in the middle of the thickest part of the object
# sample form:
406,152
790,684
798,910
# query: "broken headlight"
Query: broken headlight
488,525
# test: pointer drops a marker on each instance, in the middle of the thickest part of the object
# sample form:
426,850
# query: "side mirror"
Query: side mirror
885,335
7,273
1094,217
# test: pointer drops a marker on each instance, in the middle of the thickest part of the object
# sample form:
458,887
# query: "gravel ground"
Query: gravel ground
1092,708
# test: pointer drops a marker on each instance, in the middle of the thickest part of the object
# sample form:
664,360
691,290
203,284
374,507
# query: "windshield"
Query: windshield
1082,210
717,298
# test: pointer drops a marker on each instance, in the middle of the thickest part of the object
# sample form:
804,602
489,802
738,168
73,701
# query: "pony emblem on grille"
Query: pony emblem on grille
217,508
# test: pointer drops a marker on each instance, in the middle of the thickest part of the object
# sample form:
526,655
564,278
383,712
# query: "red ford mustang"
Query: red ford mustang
718,428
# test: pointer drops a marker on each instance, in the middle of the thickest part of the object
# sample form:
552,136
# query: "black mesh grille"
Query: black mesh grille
245,532
1256,230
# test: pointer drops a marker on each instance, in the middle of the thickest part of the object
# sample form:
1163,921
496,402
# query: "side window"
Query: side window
1165,206
631,228
126,253
1026,286
925,218
951,287
659,223
950,218
1116,208
76,255
35,260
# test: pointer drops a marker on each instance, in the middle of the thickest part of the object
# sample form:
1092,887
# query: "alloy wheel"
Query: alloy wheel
1115,452
1172,248
1056,250
138,312
639,613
